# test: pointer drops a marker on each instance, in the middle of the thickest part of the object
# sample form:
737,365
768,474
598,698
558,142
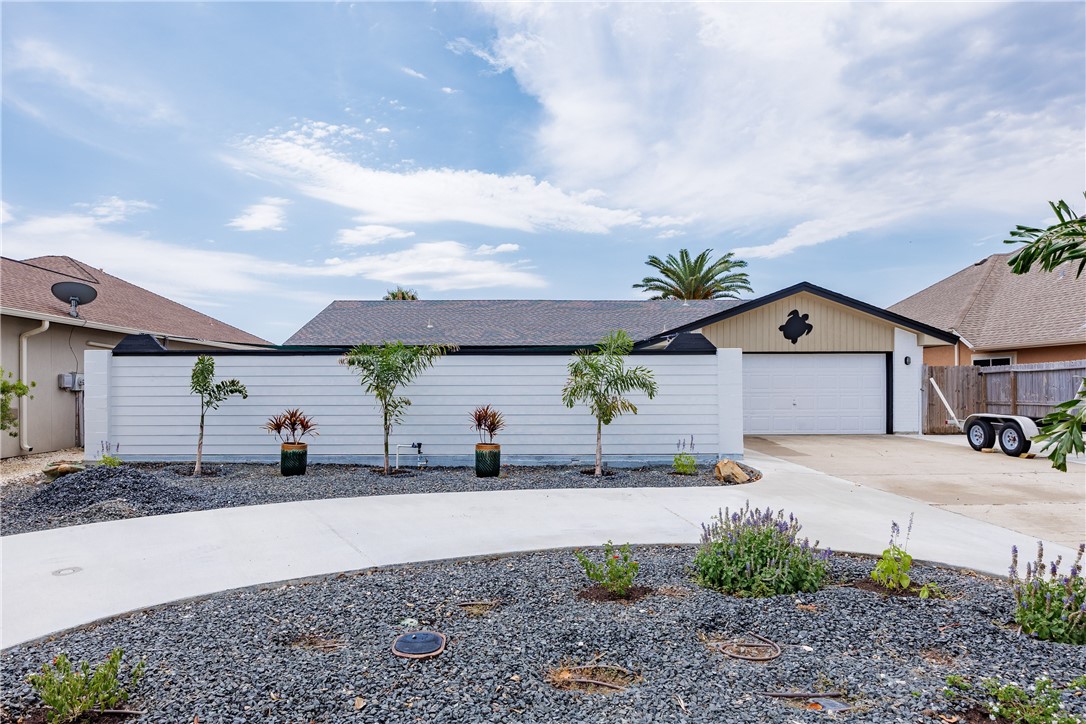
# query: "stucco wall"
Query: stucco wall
944,356
148,410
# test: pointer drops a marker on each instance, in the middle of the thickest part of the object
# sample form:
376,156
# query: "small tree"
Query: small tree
401,294
1064,241
600,380
381,370
9,391
212,394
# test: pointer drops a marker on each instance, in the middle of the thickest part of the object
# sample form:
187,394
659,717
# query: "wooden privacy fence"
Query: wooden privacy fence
1031,390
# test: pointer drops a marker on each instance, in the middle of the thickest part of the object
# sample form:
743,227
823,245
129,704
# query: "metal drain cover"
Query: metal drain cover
419,645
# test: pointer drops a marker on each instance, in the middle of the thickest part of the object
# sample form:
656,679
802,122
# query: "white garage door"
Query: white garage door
814,394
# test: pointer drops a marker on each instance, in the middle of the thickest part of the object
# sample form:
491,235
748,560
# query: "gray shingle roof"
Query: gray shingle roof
498,323
26,287
995,309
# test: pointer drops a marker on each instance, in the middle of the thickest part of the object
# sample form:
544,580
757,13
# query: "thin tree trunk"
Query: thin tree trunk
599,448
199,444
386,442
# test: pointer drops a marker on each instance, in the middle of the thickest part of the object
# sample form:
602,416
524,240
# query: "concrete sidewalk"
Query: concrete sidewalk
57,579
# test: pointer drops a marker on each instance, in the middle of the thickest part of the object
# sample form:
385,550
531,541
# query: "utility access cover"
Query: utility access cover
419,645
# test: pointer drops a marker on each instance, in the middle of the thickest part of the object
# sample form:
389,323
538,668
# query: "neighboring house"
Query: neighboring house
813,361
39,340
1004,318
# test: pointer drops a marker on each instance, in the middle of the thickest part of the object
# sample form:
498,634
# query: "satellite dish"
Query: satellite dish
74,292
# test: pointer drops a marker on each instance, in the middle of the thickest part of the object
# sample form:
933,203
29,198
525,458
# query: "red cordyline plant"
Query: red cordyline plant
487,421
291,426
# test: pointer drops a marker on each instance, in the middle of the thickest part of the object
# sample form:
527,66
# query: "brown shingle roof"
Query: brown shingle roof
498,323
25,285
995,309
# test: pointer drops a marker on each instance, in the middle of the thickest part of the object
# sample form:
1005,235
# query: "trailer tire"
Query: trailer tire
1012,440
980,435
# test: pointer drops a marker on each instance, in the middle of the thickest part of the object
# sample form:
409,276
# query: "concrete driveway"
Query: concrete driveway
1027,496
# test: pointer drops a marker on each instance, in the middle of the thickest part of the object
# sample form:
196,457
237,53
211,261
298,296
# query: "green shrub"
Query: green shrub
69,693
1053,607
616,573
9,391
754,553
685,464
1041,703
892,569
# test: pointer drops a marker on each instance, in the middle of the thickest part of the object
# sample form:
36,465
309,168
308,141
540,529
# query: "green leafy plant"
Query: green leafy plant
756,554
892,569
401,294
1049,248
212,394
106,456
9,392
600,380
1051,607
1040,703
291,426
684,463
383,369
487,421
70,692
617,572
1061,429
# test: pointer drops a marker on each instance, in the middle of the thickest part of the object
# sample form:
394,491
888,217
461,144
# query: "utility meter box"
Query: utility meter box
70,381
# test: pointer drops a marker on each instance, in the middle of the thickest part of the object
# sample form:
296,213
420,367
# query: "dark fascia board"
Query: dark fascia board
818,291
298,350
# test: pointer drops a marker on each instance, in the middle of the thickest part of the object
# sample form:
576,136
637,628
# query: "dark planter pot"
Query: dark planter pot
488,460
293,458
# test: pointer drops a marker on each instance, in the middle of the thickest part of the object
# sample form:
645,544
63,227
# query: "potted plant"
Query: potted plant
487,421
290,428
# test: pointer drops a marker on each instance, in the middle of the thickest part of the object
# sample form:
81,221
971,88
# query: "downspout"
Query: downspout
24,408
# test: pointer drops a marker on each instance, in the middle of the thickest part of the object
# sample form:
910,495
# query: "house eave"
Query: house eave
102,327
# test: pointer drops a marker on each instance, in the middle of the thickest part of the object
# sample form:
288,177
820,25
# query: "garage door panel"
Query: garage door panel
814,394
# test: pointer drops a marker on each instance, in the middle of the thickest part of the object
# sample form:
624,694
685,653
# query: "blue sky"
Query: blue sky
256,161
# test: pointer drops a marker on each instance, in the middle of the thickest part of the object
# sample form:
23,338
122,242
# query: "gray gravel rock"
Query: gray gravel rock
317,650
138,489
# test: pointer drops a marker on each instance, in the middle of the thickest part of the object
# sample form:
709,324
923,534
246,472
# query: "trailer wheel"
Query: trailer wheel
1013,442
980,434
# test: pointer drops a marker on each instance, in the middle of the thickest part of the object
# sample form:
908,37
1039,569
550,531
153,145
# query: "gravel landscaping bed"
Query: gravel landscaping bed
321,651
139,489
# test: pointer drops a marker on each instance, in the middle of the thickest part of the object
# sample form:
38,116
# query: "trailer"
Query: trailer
1014,432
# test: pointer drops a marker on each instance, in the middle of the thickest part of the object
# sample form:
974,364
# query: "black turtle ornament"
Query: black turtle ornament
795,326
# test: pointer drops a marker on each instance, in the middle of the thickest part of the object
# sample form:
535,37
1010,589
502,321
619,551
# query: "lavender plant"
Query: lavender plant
752,553
1051,607
684,463
891,571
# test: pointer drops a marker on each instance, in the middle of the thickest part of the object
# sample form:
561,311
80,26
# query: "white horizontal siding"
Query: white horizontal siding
152,413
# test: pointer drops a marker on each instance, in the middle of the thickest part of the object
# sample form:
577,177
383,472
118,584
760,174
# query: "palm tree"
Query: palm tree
401,293
698,278
381,370
599,380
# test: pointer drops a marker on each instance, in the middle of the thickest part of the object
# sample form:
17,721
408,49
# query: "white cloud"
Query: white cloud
370,234
115,209
670,234
488,250
449,91
319,167
34,58
5,212
413,73
824,119
438,265
268,215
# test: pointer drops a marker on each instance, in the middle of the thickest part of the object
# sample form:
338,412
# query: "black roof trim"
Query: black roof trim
818,292
298,350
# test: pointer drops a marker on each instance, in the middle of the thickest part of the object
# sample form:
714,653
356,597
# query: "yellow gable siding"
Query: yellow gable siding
837,328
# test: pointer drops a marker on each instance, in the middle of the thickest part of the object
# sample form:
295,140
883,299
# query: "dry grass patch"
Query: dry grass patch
591,678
